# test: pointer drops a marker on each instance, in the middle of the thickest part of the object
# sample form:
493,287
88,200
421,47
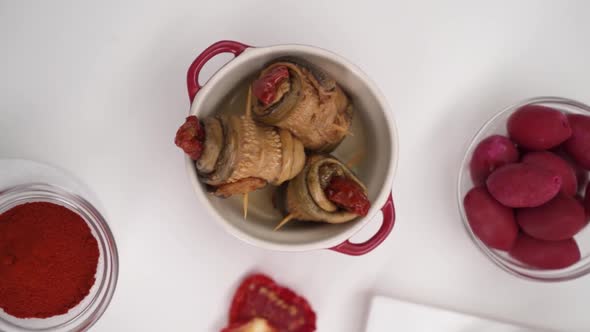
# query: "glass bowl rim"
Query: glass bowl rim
529,273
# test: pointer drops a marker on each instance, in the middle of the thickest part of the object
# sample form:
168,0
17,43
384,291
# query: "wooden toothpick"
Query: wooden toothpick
245,201
283,222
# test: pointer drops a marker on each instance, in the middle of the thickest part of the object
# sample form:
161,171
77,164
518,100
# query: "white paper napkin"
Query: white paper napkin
388,314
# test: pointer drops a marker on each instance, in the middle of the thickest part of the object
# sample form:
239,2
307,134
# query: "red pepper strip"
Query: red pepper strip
348,195
190,137
265,88
259,296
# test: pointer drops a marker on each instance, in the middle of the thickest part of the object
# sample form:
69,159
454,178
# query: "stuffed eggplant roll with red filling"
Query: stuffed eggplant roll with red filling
236,155
326,190
294,95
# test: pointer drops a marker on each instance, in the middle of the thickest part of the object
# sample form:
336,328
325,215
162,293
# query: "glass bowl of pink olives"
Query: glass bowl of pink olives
524,191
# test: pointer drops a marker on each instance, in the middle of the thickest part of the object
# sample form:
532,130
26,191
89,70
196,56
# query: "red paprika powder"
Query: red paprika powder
48,260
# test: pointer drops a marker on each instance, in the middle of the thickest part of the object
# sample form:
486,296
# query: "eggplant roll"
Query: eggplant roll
237,148
306,102
306,197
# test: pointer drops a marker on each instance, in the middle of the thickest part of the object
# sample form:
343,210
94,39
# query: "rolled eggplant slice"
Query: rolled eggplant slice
309,104
212,145
248,150
305,197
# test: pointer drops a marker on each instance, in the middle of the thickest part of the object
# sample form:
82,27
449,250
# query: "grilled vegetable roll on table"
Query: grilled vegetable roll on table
296,96
236,155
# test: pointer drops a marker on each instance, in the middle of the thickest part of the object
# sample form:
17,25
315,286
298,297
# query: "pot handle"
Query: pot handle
357,249
223,46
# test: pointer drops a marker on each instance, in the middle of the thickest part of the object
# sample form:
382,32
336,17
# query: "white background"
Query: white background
98,88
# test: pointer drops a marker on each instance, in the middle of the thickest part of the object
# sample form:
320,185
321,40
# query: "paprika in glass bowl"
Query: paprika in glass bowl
573,252
41,224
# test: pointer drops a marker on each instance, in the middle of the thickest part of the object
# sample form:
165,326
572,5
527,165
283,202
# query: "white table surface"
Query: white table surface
98,88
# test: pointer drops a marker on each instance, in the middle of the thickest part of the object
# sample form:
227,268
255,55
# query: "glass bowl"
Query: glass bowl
87,312
497,125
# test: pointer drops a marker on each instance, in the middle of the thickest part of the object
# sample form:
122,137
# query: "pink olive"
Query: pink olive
523,185
491,153
553,163
537,128
578,145
545,254
492,222
582,179
559,219
581,173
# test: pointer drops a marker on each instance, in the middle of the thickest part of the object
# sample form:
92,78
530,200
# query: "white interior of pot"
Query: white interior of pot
370,133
